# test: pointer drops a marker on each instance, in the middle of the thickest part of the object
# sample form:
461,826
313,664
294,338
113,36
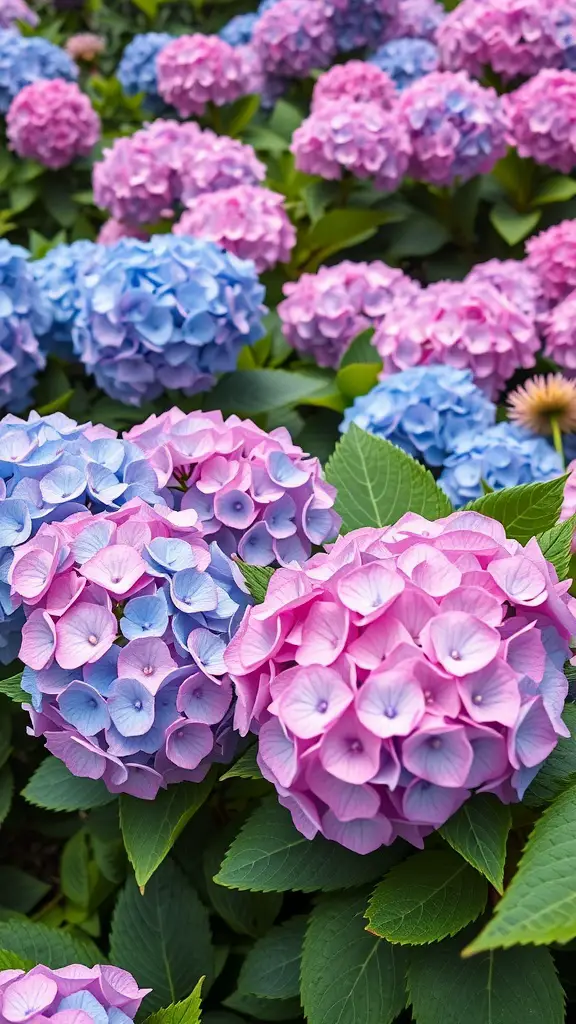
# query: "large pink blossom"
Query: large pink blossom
559,327
356,81
196,70
52,122
293,37
406,668
515,280
542,119
551,255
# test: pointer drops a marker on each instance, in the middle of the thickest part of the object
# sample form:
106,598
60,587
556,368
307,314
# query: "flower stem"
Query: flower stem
557,438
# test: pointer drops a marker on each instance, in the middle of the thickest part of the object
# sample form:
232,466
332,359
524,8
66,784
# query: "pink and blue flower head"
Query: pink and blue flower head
171,313
16,10
391,677
256,493
423,411
356,81
542,119
127,618
137,68
359,23
57,278
293,37
27,59
551,256
196,70
419,19
406,59
24,317
85,995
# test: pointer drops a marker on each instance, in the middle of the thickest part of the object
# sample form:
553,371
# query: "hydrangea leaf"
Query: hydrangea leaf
19,890
347,974
5,737
188,1011
377,483
12,962
539,905
257,578
428,897
511,225
524,511
52,947
75,870
361,350
54,788
556,545
271,969
12,688
269,1010
6,792
270,855
247,913
559,769
479,832
246,767
518,986
250,392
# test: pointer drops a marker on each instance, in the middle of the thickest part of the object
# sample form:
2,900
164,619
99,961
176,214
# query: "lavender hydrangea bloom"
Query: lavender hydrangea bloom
217,162
417,18
239,30
542,119
356,81
502,456
457,128
16,10
24,316
95,995
551,256
24,60
169,313
358,23
559,333
196,70
137,68
57,278
405,60
292,37
515,280
423,411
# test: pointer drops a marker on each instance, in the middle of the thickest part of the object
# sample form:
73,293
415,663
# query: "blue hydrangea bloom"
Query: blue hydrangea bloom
358,23
170,313
56,274
405,60
238,31
137,68
264,6
423,410
24,316
26,59
503,456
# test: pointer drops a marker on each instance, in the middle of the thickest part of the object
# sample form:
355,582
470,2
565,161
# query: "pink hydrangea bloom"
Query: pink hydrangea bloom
293,37
323,312
361,138
196,70
113,230
560,333
551,255
542,119
52,122
85,46
72,993
417,19
16,10
126,620
406,668
515,280
356,81
468,325
247,220
217,162
256,493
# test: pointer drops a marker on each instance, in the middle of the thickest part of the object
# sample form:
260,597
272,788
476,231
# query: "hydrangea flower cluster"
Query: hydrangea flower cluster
551,256
168,313
196,70
464,324
24,60
16,10
323,312
542,119
52,122
360,138
292,37
457,128
239,30
256,493
247,220
57,278
560,333
127,619
407,59
502,456
358,23
399,672
137,69
106,994
418,18
356,81
423,411
217,162
513,279
24,316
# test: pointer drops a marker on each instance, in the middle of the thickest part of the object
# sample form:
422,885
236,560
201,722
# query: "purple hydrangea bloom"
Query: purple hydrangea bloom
551,256
292,37
24,316
358,23
137,68
53,123
323,312
89,994
27,59
169,313
423,411
515,280
56,275
16,10
217,162
542,119
239,30
417,18
406,59
356,81
123,645
196,70
560,332
456,126
502,456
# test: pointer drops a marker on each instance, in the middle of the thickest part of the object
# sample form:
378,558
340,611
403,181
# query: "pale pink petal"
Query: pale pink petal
324,634
520,579
460,642
370,590
430,570
84,633
313,700
117,568
38,640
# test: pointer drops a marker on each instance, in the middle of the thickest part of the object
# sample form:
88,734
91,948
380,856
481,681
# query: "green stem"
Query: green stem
557,438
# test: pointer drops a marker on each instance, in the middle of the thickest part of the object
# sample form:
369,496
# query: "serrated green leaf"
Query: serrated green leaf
524,511
6,791
517,986
247,913
511,225
246,767
559,769
150,828
556,545
377,483
479,832
271,969
188,1011
54,788
50,946
74,869
19,890
270,855
257,578
430,896
539,905
250,392
270,1010
12,688
348,975
11,962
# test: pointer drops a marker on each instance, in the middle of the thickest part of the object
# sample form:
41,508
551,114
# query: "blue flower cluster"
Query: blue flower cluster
170,313
27,59
423,410
137,69
24,316
503,456
358,23
238,31
57,274
405,60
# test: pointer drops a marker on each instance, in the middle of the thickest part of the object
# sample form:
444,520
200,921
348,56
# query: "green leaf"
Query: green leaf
539,905
524,511
519,986
74,870
338,229
103,827
271,969
54,788
361,350
50,946
162,937
377,483
186,1012
358,378
556,545
150,828
257,578
511,225
419,235
5,738
19,890
6,792
247,913
348,975
59,202
249,392
239,114
58,404
430,896
479,833
22,196
11,688
246,767
11,962
264,1009
559,769
557,189
270,855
